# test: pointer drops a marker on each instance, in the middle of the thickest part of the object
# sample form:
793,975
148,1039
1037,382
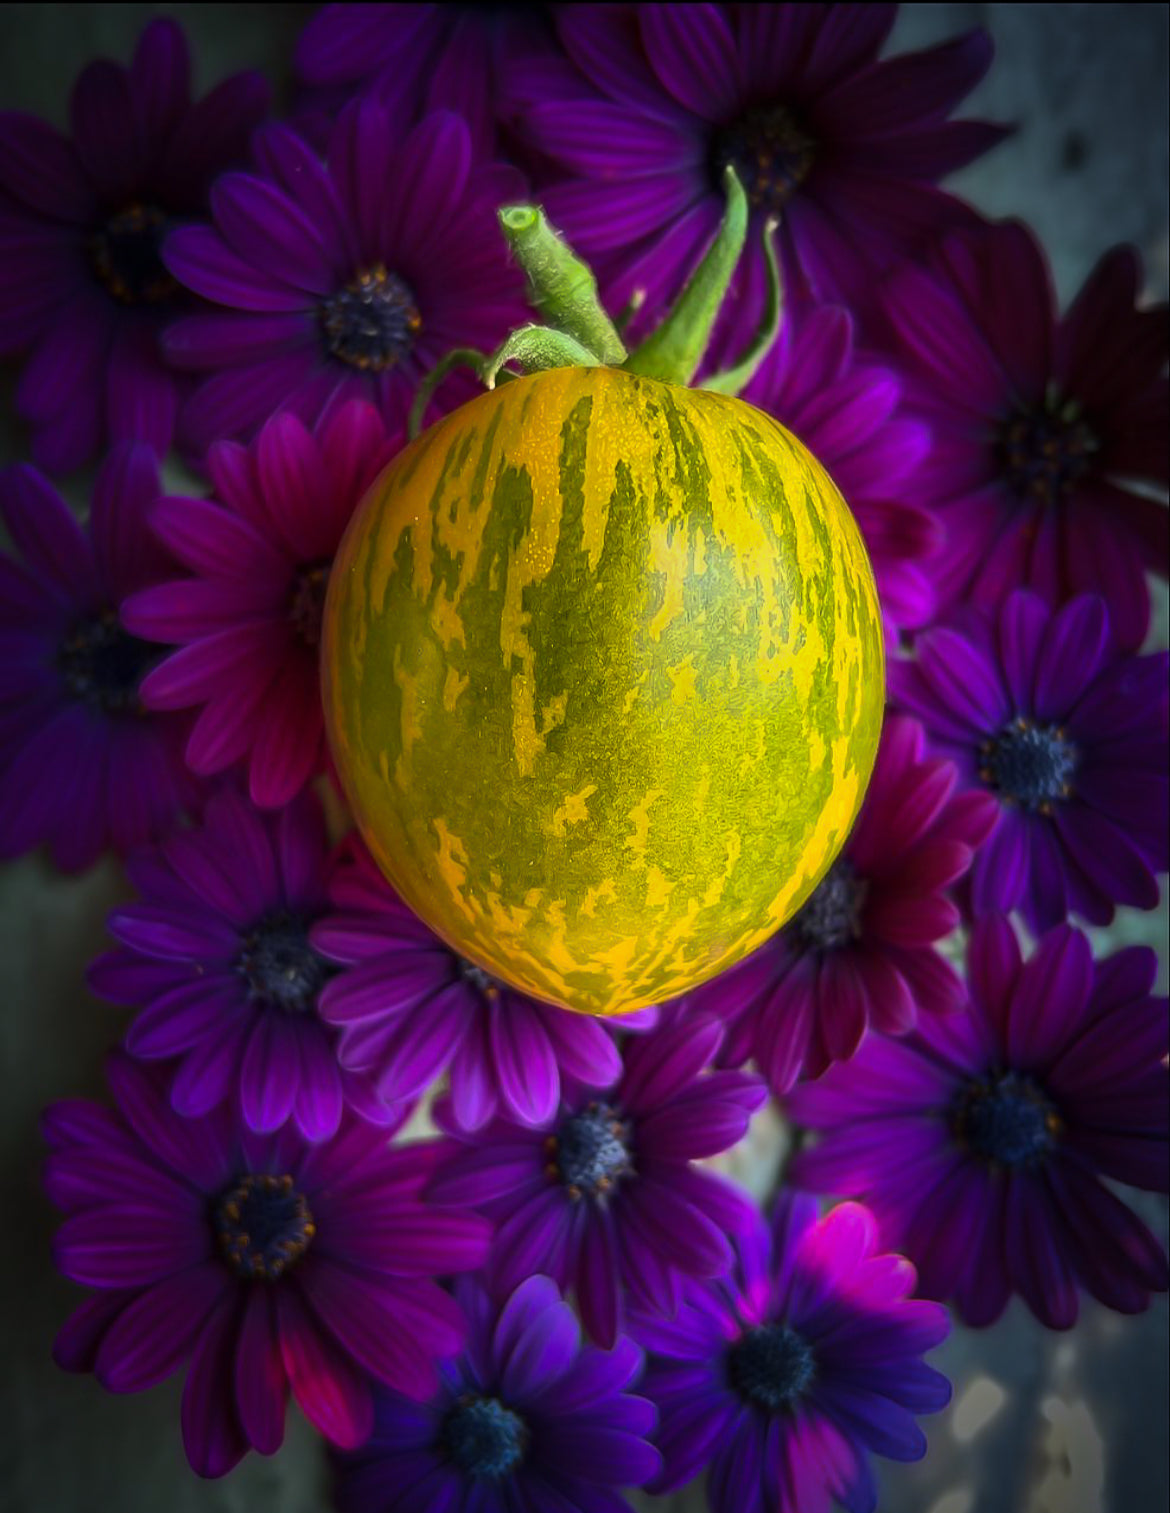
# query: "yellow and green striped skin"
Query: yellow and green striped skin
604,679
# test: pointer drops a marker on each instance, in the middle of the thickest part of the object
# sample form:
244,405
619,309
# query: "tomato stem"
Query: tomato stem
538,347
560,285
734,380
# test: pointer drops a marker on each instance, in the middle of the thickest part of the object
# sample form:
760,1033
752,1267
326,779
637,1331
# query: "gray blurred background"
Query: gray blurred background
1040,1423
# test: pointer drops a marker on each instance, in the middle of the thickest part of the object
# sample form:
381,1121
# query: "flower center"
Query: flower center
832,916
125,256
769,150
1005,1118
280,966
372,322
264,1226
102,664
590,1152
307,602
483,1438
478,978
1030,765
770,1366
1045,451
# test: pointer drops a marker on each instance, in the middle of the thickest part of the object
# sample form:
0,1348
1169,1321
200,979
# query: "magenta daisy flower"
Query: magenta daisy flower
604,1196
83,765
1070,739
846,411
264,1262
216,956
347,278
862,950
982,1142
846,149
411,1008
1040,424
249,621
82,287
784,1376
526,1419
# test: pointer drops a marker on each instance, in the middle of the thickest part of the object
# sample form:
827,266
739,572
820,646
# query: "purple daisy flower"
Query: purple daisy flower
217,957
83,766
604,1197
845,149
862,951
264,1262
525,1420
1038,423
1069,738
81,222
783,1376
845,410
344,279
249,622
411,1008
981,1142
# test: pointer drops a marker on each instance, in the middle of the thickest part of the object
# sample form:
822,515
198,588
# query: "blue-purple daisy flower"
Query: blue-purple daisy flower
1070,738
604,1196
262,1261
82,219
216,956
343,278
526,1419
83,765
785,1375
982,1142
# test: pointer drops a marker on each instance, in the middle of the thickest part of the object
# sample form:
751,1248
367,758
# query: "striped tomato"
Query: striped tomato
604,681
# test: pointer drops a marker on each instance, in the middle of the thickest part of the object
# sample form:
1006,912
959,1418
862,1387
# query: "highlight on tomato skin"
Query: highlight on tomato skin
604,679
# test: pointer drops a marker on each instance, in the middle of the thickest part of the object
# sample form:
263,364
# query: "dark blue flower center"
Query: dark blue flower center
770,1366
1045,450
1030,765
307,603
102,664
769,150
372,323
1005,1118
482,981
483,1438
832,916
125,253
264,1226
280,967
590,1151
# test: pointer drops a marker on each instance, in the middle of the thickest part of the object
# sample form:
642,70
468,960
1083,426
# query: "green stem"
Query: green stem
736,379
560,285
458,357
537,347
675,350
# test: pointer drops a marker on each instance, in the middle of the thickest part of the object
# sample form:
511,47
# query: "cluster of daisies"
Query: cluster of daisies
554,1300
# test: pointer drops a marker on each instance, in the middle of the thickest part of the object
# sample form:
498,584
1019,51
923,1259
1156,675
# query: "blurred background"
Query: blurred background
1040,1422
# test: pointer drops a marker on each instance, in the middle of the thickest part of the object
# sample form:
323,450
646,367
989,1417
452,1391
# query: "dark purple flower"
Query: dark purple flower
344,279
217,956
784,1375
1070,739
411,1008
845,410
845,149
81,222
1039,423
862,950
265,1262
414,58
526,1421
604,1197
981,1142
83,766
249,622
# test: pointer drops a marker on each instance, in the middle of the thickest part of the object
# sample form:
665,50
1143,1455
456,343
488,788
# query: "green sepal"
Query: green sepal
734,380
674,351
458,357
560,285
537,348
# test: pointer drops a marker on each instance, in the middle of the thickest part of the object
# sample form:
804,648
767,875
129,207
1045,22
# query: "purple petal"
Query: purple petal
153,1336
270,1075
261,1386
